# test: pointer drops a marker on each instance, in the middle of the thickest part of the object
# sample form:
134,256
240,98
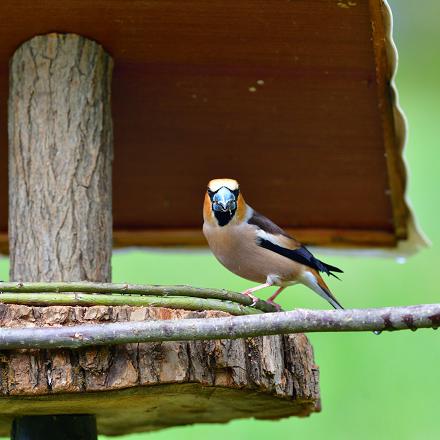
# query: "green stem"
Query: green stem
139,289
87,299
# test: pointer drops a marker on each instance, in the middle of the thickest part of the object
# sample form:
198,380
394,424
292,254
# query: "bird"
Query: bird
253,247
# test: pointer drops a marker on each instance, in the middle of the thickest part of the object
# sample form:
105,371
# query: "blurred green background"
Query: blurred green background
384,387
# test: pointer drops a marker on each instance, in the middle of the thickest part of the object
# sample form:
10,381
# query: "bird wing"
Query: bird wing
271,237
268,226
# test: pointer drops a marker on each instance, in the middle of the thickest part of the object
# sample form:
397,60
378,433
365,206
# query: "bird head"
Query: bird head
222,201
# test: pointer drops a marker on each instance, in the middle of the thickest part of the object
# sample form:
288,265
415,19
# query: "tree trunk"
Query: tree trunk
60,158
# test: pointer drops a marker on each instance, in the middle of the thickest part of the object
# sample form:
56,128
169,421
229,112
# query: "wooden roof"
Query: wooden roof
292,98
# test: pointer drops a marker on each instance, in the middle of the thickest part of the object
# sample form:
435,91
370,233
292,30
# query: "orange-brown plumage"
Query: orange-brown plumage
207,212
241,208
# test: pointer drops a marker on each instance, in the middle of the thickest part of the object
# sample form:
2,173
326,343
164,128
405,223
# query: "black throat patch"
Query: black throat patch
224,217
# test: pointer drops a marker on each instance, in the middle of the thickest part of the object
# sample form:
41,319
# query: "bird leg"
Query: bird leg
248,292
271,299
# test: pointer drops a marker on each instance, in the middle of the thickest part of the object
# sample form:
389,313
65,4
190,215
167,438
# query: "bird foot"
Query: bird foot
277,306
253,297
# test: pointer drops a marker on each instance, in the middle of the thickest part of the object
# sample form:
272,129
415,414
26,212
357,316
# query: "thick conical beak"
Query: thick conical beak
224,200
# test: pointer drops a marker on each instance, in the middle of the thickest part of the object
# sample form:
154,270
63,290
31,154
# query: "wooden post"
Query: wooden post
60,155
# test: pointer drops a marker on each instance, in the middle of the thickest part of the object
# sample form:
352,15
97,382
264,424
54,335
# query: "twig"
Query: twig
87,299
389,318
87,287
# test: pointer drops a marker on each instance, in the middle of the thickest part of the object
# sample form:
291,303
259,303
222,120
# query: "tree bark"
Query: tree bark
60,158
296,321
162,384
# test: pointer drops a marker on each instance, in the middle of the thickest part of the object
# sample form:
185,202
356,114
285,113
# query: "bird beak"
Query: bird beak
224,200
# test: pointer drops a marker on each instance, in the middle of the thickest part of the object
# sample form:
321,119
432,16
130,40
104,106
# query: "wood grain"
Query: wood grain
60,157
161,384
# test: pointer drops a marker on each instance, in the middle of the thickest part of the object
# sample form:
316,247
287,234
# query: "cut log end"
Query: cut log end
149,386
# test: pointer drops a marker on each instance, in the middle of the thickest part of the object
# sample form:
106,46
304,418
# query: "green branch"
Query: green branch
138,289
388,318
190,298
87,299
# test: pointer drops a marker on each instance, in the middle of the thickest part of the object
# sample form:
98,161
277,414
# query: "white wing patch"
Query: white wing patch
269,237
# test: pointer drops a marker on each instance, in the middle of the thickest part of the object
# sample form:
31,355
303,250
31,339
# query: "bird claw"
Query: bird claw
253,297
277,306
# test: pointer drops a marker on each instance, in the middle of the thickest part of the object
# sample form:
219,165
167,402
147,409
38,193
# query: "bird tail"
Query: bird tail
314,281
329,269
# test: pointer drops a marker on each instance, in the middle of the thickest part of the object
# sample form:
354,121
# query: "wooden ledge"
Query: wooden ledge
156,407
131,387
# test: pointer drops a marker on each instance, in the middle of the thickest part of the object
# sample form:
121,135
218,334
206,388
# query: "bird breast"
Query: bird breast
235,246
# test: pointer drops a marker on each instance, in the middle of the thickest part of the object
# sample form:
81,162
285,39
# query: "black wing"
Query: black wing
301,255
266,225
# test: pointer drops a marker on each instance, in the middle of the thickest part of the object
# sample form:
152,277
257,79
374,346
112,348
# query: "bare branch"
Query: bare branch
140,289
300,320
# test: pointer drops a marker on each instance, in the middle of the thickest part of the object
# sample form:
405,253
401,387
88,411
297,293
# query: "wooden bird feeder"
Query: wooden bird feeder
293,99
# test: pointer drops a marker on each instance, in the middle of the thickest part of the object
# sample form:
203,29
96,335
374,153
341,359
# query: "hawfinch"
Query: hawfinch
253,247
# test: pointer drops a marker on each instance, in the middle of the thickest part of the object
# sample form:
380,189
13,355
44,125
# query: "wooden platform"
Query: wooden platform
150,386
